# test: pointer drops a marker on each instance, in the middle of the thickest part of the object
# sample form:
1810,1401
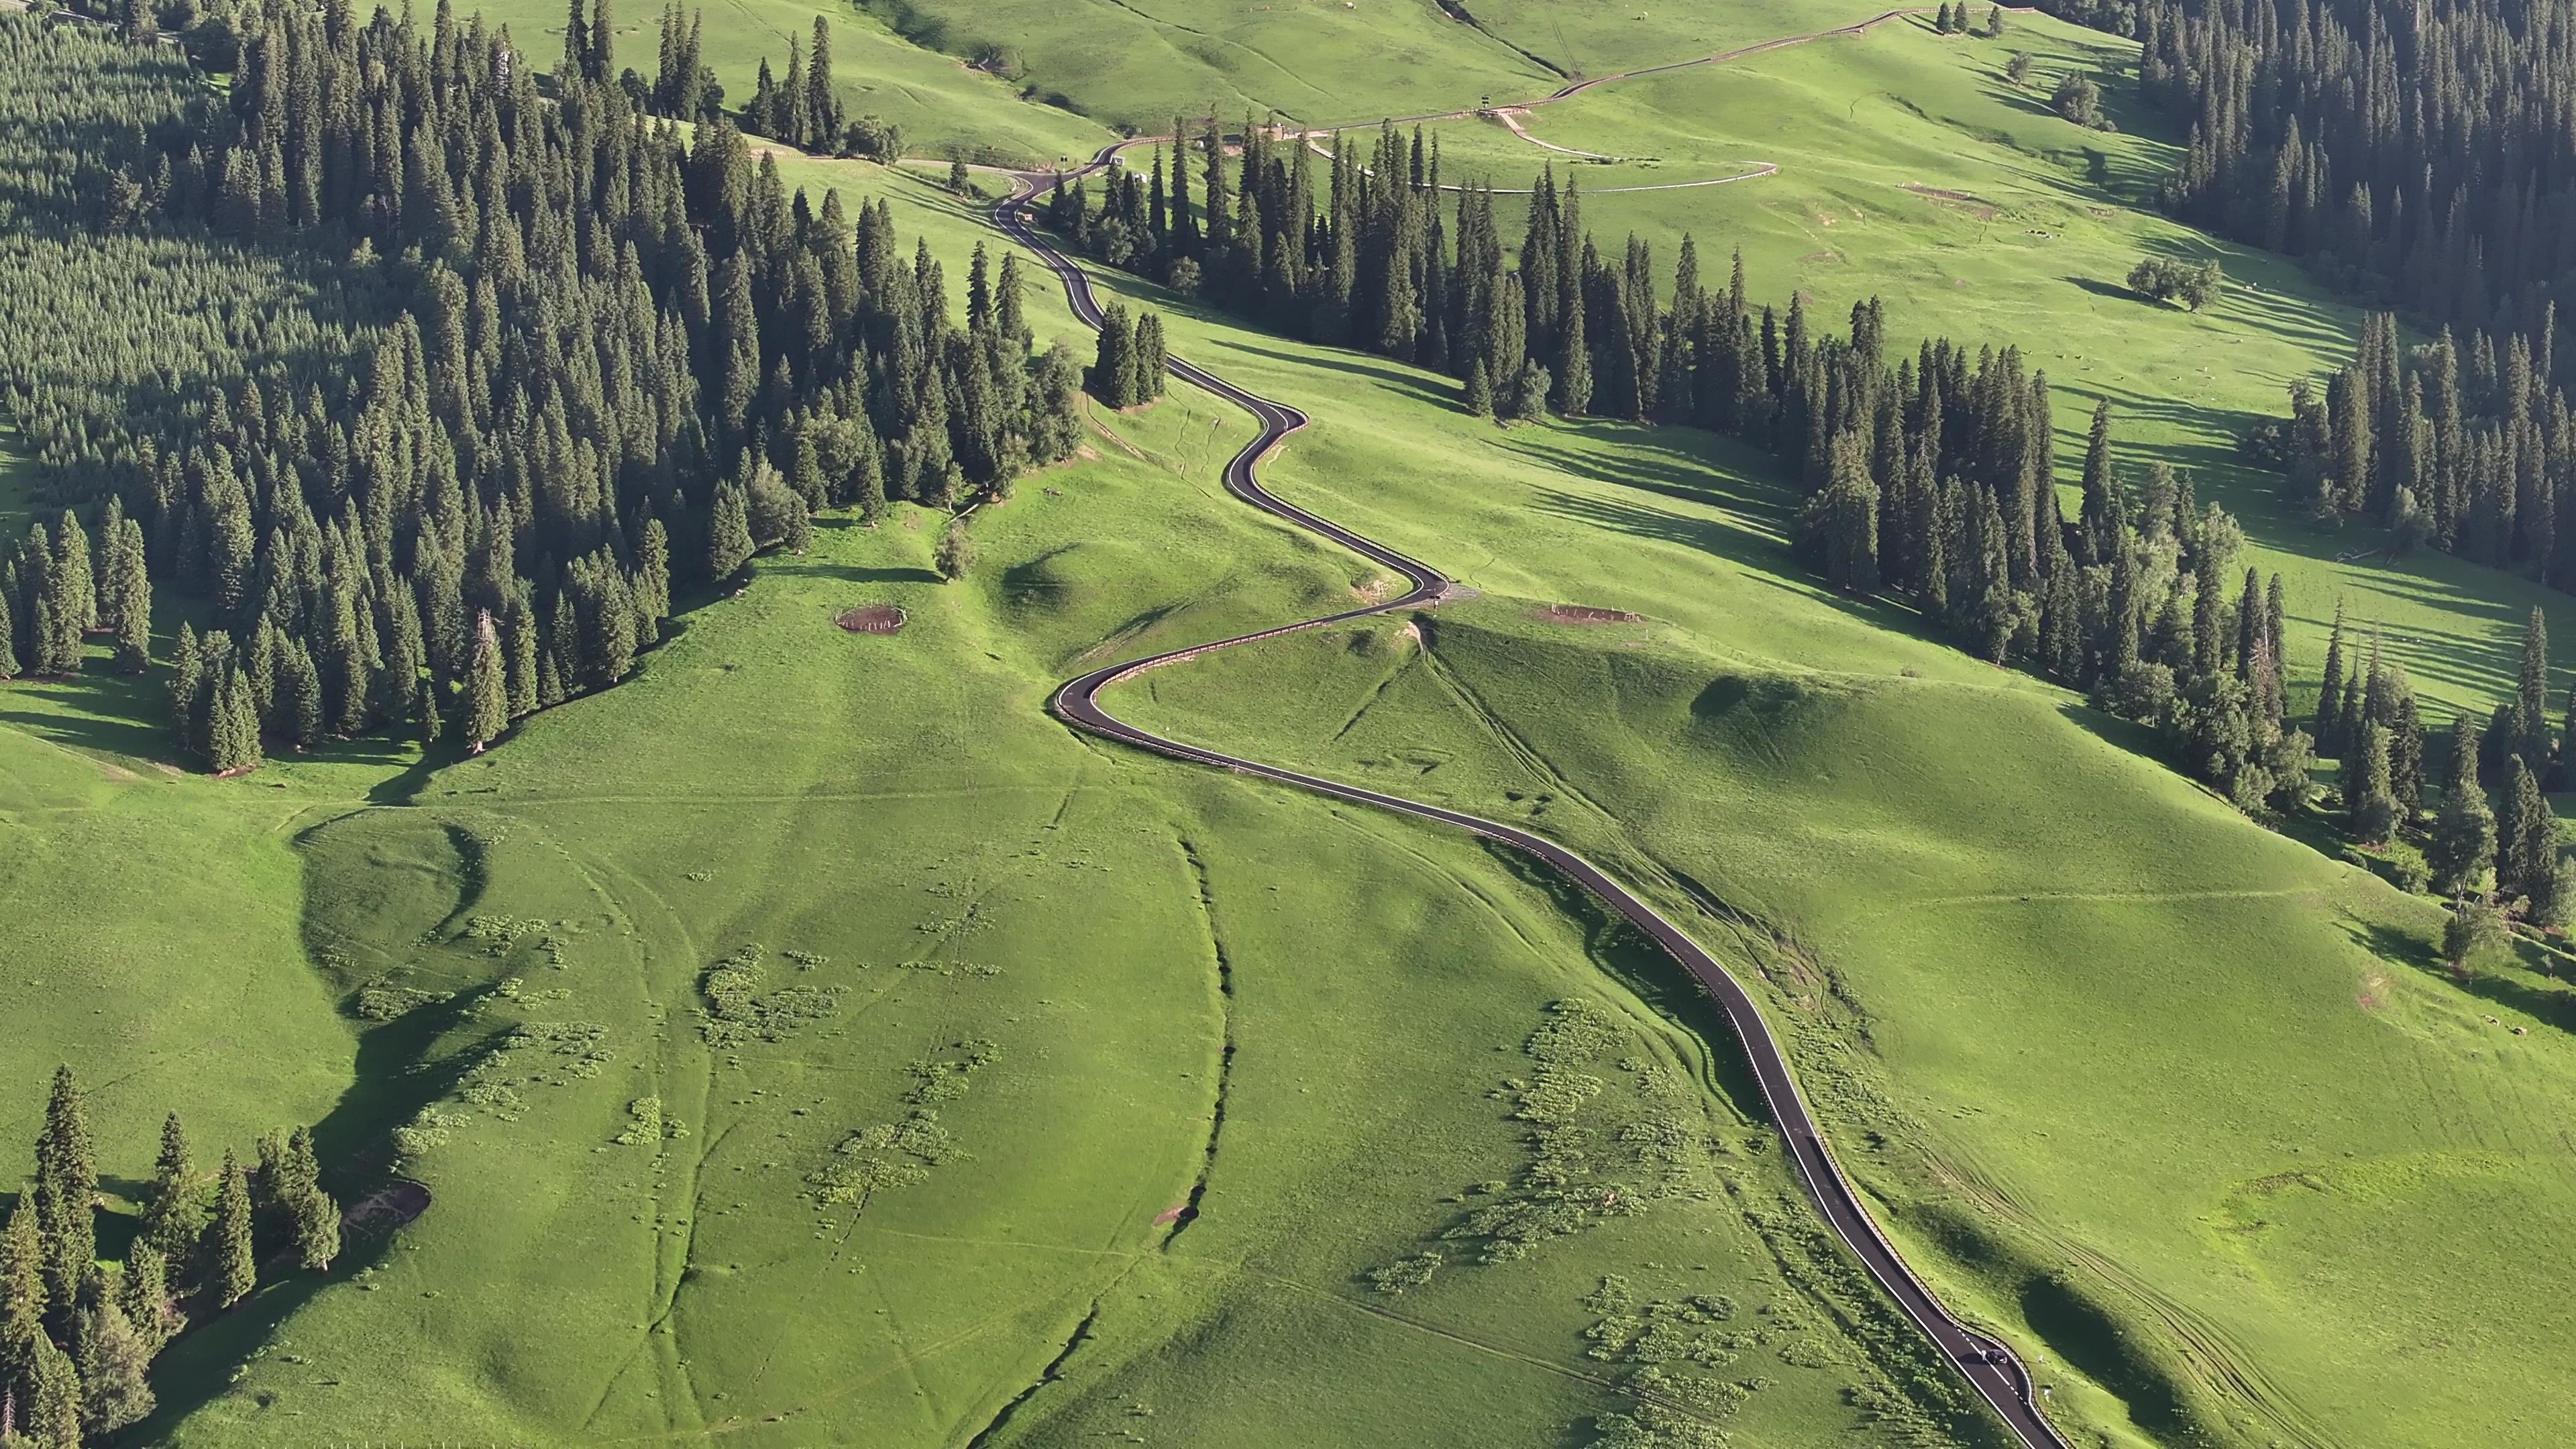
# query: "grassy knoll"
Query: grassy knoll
807,1040
2183,1101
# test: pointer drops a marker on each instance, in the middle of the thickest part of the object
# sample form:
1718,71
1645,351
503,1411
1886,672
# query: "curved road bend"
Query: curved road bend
1991,1367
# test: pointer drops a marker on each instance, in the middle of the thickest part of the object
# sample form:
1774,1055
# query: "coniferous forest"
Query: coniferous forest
436,385
75,1341
1929,476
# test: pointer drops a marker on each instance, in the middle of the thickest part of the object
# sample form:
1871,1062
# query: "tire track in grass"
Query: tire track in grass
1991,1368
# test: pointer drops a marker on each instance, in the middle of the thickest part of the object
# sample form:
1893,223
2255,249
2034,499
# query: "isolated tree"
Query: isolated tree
231,1270
2017,69
2464,830
2477,929
1994,21
2078,99
958,180
955,554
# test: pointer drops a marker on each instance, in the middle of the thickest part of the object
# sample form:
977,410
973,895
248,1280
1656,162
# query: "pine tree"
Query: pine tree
1113,367
2367,801
2531,699
143,1292
173,1213
53,1415
231,1271
112,1357
2330,732
23,1338
66,1189
2463,844
487,687
2527,838
729,544
1480,392
313,1217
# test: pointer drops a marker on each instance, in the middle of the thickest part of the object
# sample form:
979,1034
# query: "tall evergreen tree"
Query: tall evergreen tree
2463,844
231,1271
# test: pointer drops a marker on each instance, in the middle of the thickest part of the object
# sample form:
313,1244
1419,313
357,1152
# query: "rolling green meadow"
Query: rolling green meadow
812,1042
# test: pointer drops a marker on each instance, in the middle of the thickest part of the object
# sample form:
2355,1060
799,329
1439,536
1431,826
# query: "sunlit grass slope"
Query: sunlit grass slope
2181,1100
1275,1116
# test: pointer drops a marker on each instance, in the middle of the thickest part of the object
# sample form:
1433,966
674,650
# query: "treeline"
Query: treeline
2509,865
2418,154
1931,476
579,361
78,1337
2468,449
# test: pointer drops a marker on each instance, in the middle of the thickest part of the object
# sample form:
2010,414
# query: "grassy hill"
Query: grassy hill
1235,1094
2181,1100
646,992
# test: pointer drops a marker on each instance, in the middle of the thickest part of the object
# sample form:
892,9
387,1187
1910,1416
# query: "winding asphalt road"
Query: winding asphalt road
1989,1366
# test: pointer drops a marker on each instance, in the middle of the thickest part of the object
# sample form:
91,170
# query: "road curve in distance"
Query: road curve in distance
1989,1366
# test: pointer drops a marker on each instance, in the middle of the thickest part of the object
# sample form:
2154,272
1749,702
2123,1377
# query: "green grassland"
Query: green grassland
942,104
2181,1100
658,989
1913,171
1198,1062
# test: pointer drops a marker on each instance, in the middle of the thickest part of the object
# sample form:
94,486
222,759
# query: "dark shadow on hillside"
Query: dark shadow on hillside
848,573
1357,364
390,1086
2551,1005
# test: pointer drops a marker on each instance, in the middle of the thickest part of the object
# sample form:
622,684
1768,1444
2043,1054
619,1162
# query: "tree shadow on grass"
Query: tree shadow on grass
1358,364
394,1078
849,573
2551,1004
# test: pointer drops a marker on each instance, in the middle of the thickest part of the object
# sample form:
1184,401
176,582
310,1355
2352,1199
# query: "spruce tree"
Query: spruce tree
728,532
173,1211
313,1218
1149,356
2367,801
2531,697
143,1292
2330,692
2463,843
487,688
22,1302
231,1270
66,1190
1113,367
1480,392
112,1356
2527,843
53,1413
